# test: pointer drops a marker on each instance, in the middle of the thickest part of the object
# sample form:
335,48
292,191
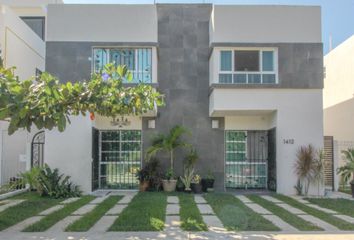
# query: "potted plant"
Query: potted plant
208,182
180,185
188,169
155,174
347,171
168,143
143,177
195,184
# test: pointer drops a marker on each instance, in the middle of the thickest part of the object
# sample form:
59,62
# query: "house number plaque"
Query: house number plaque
288,141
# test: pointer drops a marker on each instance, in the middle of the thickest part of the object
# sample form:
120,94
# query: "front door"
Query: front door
119,158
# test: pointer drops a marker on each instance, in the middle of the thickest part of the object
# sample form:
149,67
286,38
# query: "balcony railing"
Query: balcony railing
247,78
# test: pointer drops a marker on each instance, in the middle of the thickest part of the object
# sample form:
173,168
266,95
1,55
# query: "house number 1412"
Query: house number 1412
288,141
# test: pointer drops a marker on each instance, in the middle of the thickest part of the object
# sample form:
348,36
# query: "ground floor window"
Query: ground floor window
119,158
246,155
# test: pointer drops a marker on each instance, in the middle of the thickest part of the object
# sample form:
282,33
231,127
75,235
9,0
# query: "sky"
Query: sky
337,15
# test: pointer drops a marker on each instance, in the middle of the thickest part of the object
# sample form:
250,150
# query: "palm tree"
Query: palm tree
347,171
168,143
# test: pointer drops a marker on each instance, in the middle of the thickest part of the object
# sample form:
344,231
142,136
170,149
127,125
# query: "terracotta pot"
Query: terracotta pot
169,185
143,186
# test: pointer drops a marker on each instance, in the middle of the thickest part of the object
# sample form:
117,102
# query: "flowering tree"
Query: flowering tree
46,103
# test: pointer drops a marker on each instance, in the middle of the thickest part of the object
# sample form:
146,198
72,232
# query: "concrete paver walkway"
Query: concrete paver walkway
211,220
10,203
172,221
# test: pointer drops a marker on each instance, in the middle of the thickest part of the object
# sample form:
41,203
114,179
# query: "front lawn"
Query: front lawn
89,219
287,216
146,212
235,215
191,220
46,222
32,206
339,223
344,206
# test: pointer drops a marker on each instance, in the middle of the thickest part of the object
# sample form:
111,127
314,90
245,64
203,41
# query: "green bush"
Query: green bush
56,185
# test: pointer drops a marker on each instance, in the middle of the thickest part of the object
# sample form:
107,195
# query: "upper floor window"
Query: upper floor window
138,61
248,66
37,24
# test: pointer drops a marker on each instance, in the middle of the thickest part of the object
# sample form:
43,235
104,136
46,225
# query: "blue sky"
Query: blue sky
337,15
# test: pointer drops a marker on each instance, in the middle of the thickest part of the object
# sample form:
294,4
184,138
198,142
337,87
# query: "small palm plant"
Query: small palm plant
347,171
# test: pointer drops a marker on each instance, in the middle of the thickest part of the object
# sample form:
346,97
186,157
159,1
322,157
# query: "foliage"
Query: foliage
196,179
46,103
169,174
168,143
309,167
153,167
210,175
188,172
347,171
187,178
31,178
56,185
143,174
191,219
298,187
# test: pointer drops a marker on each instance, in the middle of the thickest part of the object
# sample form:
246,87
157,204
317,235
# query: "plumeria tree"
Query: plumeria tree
46,103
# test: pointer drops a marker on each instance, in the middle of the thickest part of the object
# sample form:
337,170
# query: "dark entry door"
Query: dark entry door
37,149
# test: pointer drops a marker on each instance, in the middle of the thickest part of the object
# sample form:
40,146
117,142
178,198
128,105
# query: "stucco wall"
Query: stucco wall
273,24
298,116
110,23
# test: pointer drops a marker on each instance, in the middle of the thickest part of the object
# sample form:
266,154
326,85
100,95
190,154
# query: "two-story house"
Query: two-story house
245,80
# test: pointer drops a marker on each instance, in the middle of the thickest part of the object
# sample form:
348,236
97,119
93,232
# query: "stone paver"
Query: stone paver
22,225
70,200
271,199
345,218
84,209
199,199
51,210
61,225
103,224
10,203
213,223
318,222
257,208
326,210
126,199
116,210
99,200
291,209
284,226
205,209
300,199
172,209
172,199
172,223
243,199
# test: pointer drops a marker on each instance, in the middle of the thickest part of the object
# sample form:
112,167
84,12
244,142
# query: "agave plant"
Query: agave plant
347,171
188,170
168,143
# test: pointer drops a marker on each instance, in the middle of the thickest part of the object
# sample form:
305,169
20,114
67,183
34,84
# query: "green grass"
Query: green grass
51,219
339,223
33,205
191,220
146,212
235,215
287,216
89,219
344,206
345,189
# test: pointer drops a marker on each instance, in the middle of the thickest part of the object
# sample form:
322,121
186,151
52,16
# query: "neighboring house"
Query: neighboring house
338,100
22,32
246,80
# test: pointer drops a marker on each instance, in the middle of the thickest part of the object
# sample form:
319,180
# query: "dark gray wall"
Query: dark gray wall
300,65
183,70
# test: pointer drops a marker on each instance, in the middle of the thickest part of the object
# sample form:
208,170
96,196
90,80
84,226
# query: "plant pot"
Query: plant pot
169,185
188,190
196,187
143,186
180,188
352,187
207,183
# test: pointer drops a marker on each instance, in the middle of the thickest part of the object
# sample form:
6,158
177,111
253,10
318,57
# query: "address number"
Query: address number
288,141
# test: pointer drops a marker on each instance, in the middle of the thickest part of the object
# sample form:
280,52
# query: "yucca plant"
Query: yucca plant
188,169
304,165
347,171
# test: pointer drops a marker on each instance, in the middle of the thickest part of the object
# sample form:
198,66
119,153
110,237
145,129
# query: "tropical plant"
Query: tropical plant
168,143
196,179
347,171
154,171
46,103
318,170
298,187
56,185
143,174
30,178
188,169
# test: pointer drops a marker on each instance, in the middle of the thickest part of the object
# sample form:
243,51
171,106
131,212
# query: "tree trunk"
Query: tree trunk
171,158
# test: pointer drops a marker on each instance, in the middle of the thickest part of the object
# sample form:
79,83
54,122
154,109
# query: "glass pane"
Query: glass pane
254,78
246,61
235,157
225,60
240,78
123,57
235,136
225,78
268,61
268,78
100,58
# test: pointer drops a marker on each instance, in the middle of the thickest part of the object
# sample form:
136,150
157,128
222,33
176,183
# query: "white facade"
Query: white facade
338,99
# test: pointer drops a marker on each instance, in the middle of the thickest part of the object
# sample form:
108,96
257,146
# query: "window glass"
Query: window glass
36,24
267,61
123,57
246,61
225,60
225,78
